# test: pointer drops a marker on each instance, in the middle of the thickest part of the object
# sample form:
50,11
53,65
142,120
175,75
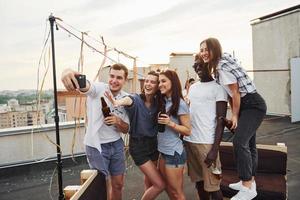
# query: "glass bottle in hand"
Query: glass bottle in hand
105,109
162,127
228,124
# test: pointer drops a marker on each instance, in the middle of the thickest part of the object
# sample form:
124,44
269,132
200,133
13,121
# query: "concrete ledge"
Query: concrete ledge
25,168
37,129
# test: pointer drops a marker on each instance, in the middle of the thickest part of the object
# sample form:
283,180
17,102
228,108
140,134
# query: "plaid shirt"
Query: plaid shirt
230,64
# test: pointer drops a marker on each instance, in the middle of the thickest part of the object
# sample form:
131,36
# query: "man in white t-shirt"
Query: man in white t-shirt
103,143
208,106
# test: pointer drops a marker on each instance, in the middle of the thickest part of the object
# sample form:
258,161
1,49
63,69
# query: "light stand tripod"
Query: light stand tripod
56,118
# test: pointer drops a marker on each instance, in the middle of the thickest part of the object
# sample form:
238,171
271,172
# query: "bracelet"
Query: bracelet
174,125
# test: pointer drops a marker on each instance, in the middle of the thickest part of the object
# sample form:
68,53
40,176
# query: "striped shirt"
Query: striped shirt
229,65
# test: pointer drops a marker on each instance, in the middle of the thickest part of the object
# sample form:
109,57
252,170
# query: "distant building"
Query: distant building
28,106
21,118
276,53
4,108
35,118
13,119
71,106
182,63
16,115
158,67
5,121
62,115
13,104
46,106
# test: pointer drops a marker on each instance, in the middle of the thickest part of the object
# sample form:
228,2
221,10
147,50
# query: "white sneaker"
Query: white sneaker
238,185
245,194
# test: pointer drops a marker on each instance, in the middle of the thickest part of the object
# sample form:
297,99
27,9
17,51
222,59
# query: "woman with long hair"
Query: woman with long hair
177,124
142,110
248,110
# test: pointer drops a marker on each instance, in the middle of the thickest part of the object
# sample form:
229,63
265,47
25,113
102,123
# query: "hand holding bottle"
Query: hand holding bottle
163,118
228,124
111,120
106,112
105,109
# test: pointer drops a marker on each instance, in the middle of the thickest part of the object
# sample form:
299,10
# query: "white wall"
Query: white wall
275,42
16,144
183,66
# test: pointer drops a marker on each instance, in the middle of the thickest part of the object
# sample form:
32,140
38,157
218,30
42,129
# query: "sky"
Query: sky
149,30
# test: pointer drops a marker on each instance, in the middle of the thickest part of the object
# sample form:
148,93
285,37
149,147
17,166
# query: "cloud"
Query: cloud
182,11
150,30
140,24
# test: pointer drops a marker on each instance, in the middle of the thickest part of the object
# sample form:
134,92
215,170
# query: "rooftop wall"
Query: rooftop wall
21,145
275,41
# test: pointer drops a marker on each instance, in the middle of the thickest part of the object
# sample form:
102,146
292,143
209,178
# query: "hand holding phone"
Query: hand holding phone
81,80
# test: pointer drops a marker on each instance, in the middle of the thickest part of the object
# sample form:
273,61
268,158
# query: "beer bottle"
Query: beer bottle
162,127
217,172
228,124
105,108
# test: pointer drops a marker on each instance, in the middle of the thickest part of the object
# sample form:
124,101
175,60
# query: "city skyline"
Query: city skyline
148,30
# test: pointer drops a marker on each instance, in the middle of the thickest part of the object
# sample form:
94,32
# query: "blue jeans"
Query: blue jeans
252,111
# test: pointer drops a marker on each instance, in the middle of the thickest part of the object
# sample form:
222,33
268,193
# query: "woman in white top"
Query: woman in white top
248,110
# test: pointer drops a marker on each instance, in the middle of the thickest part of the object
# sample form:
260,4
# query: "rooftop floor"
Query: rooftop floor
33,182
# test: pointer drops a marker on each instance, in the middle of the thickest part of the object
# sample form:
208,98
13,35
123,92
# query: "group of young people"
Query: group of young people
192,132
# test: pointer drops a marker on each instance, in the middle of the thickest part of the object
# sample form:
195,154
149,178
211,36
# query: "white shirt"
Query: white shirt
226,78
97,132
230,72
203,97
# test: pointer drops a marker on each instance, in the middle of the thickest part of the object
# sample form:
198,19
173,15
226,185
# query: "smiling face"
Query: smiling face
116,80
204,53
151,84
165,85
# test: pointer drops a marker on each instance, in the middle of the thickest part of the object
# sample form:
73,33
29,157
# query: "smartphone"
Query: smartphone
81,80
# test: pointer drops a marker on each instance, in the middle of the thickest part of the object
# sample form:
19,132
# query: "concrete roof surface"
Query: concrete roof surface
33,182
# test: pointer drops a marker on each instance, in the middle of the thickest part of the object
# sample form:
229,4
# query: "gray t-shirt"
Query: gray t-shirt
169,141
143,120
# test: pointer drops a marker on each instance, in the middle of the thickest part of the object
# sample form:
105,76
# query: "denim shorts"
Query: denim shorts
143,149
176,160
111,161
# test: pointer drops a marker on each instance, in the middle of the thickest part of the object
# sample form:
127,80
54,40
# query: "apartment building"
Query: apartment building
16,115
71,104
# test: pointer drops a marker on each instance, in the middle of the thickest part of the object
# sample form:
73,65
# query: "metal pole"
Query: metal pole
135,71
56,118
